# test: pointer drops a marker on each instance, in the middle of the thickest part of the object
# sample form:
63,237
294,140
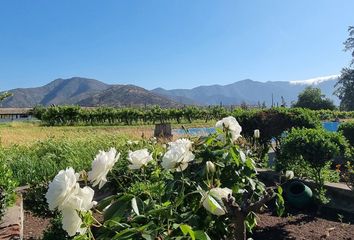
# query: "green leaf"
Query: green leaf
280,190
118,208
147,236
251,221
235,156
200,235
249,164
105,202
186,229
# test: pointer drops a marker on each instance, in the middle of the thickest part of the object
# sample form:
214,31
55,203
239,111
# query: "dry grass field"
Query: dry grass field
27,133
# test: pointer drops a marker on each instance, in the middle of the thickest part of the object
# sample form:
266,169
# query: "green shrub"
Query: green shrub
311,150
7,187
347,129
272,123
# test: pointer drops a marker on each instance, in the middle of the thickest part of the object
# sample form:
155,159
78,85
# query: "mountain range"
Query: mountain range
84,92
91,92
251,92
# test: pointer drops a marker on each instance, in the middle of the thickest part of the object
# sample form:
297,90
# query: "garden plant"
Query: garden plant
310,152
203,188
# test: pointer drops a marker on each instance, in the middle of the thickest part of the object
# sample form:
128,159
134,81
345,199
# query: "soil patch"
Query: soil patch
301,227
34,226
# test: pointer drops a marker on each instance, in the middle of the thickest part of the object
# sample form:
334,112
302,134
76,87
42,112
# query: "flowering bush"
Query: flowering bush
201,189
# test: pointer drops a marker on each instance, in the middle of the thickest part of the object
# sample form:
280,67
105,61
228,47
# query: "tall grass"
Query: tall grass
42,161
36,153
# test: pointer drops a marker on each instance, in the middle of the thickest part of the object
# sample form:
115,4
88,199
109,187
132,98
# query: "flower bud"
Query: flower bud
210,167
256,133
289,174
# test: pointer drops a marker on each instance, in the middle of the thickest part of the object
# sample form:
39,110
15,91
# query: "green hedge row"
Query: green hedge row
73,115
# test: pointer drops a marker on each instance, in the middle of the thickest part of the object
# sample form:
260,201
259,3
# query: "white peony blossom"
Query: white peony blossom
139,158
212,200
65,194
101,165
183,142
62,188
177,158
81,200
71,222
230,123
289,174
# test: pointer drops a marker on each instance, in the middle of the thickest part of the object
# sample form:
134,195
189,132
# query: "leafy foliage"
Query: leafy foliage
345,85
314,148
313,99
168,205
349,43
347,129
345,89
329,115
74,115
273,122
155,202
7,187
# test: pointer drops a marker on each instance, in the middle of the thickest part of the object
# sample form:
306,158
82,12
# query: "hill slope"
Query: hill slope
88,92
249,91
126,95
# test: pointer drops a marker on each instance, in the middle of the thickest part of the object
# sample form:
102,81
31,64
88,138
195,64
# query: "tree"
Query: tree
5,95
344,88
312,98
349,43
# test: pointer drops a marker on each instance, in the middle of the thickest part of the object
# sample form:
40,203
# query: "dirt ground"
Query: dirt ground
301,227
34,226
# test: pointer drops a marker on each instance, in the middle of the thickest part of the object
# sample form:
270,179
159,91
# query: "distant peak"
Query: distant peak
315,81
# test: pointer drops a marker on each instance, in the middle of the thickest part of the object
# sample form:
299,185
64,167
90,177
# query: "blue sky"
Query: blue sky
171,43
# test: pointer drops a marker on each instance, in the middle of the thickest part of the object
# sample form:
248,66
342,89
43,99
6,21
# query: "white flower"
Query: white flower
177,158
230,123
63,186
289,174
81,200
65,194
101,165
139,158
71,222
183,142
212,200
256,133
210,166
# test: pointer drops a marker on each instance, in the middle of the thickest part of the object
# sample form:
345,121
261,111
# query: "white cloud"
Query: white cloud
314,81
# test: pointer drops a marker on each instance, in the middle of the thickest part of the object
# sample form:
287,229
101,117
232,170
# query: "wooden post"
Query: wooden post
163,130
